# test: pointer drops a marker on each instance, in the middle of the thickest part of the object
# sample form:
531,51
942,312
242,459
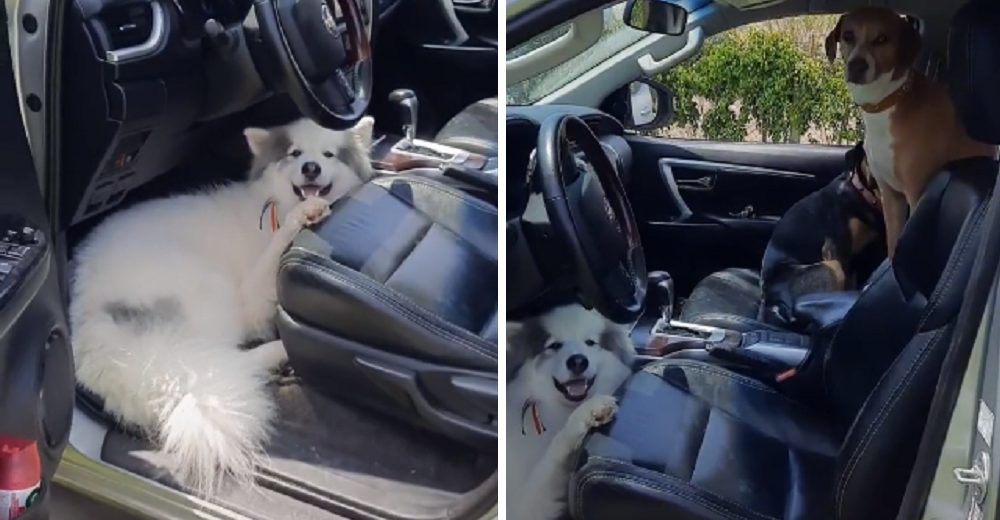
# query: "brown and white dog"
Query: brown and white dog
911,130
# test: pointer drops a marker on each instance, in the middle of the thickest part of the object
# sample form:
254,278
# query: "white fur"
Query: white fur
878,140
539,465
163,293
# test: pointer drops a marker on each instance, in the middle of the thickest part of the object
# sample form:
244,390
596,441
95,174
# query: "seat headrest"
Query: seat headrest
974,68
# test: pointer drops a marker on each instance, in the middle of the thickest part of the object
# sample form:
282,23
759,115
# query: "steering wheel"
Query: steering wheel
591,216
326,68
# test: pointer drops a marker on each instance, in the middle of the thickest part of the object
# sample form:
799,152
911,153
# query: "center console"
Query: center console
472,172
770,353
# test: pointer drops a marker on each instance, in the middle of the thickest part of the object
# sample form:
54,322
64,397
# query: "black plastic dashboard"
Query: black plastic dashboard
141,80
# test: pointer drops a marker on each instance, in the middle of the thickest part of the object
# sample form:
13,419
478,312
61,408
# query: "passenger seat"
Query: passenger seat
474,129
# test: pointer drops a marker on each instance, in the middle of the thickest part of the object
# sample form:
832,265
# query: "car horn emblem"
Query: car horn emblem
328,21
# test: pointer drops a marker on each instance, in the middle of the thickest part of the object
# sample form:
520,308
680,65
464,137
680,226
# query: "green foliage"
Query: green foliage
761,80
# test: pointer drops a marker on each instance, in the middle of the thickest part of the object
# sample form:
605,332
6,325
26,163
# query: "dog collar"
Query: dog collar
530,411
270,210
890,100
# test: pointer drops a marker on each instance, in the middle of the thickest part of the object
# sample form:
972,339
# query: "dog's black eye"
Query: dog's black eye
295,153
555,346
590,342
848,37
881,40
328,155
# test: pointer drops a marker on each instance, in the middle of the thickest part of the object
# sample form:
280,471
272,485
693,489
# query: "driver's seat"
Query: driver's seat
392,302
694,440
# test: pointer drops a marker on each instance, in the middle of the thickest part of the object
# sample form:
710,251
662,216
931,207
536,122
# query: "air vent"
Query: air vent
128,25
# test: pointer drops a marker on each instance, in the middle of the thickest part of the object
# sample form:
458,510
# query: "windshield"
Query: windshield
615,37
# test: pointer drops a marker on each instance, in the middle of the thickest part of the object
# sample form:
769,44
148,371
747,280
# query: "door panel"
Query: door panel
705,205
36,368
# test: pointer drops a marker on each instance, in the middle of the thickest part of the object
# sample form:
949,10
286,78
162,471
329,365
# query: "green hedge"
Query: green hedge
757,78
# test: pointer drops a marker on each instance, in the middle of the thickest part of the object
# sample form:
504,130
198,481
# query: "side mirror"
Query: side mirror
657,16
642,104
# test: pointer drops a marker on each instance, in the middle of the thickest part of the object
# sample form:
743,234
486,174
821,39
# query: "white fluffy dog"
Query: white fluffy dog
575,360
165,292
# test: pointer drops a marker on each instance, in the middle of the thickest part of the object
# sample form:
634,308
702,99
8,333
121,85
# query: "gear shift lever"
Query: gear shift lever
661,287
407,101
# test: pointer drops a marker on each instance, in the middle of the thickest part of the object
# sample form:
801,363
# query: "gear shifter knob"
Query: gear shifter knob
407,101
661,290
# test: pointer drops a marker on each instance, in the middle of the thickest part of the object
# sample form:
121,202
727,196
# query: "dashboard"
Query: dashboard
523,124
141,82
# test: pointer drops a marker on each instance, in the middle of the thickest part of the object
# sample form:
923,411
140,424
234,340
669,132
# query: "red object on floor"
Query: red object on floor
20,476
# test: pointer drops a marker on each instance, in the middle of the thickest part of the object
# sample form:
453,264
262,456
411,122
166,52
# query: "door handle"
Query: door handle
705,183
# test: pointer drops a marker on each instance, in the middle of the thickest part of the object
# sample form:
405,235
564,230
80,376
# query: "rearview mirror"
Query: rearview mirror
657,16
643,104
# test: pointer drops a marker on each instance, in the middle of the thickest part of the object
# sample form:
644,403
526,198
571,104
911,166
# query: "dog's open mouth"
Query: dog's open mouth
574,389
311,190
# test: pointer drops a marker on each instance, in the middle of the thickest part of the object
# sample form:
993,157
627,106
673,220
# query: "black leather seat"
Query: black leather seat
693,440
392,301
474,129
729,299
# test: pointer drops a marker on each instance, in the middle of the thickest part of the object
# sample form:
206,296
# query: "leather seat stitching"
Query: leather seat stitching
459,196
676,487
949,276
414,242
880,417
365,284
737,319
707,368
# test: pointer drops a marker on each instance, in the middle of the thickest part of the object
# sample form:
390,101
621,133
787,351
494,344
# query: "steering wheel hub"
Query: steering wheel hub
314,38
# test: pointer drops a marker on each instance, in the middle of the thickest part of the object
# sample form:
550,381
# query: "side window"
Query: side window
615,36
763,82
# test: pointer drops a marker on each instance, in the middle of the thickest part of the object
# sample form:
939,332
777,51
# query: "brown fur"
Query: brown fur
926,132
892,39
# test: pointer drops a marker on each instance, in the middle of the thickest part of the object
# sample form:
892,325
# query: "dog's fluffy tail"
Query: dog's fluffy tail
206,403
217,425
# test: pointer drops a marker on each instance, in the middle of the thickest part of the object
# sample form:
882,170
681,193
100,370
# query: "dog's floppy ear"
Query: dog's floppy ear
615,338
832,39
909,46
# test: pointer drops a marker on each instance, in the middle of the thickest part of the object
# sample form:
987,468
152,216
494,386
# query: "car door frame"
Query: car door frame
37,385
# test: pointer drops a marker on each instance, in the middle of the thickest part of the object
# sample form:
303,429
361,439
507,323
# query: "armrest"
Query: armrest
768,355
824,311
788,356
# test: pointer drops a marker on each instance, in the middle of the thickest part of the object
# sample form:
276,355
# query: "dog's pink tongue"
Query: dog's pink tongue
576,388
310,190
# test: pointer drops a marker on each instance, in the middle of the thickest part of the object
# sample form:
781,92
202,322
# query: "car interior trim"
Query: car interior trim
157,37
725,168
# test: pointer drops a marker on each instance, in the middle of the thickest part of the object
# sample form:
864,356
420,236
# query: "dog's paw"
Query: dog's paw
594,412
308,212
601,409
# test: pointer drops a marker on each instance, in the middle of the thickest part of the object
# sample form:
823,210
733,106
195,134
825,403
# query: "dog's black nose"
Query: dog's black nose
857,68
310,170
577,364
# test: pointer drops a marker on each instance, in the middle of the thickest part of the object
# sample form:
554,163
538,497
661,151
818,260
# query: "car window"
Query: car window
763,82
615,37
